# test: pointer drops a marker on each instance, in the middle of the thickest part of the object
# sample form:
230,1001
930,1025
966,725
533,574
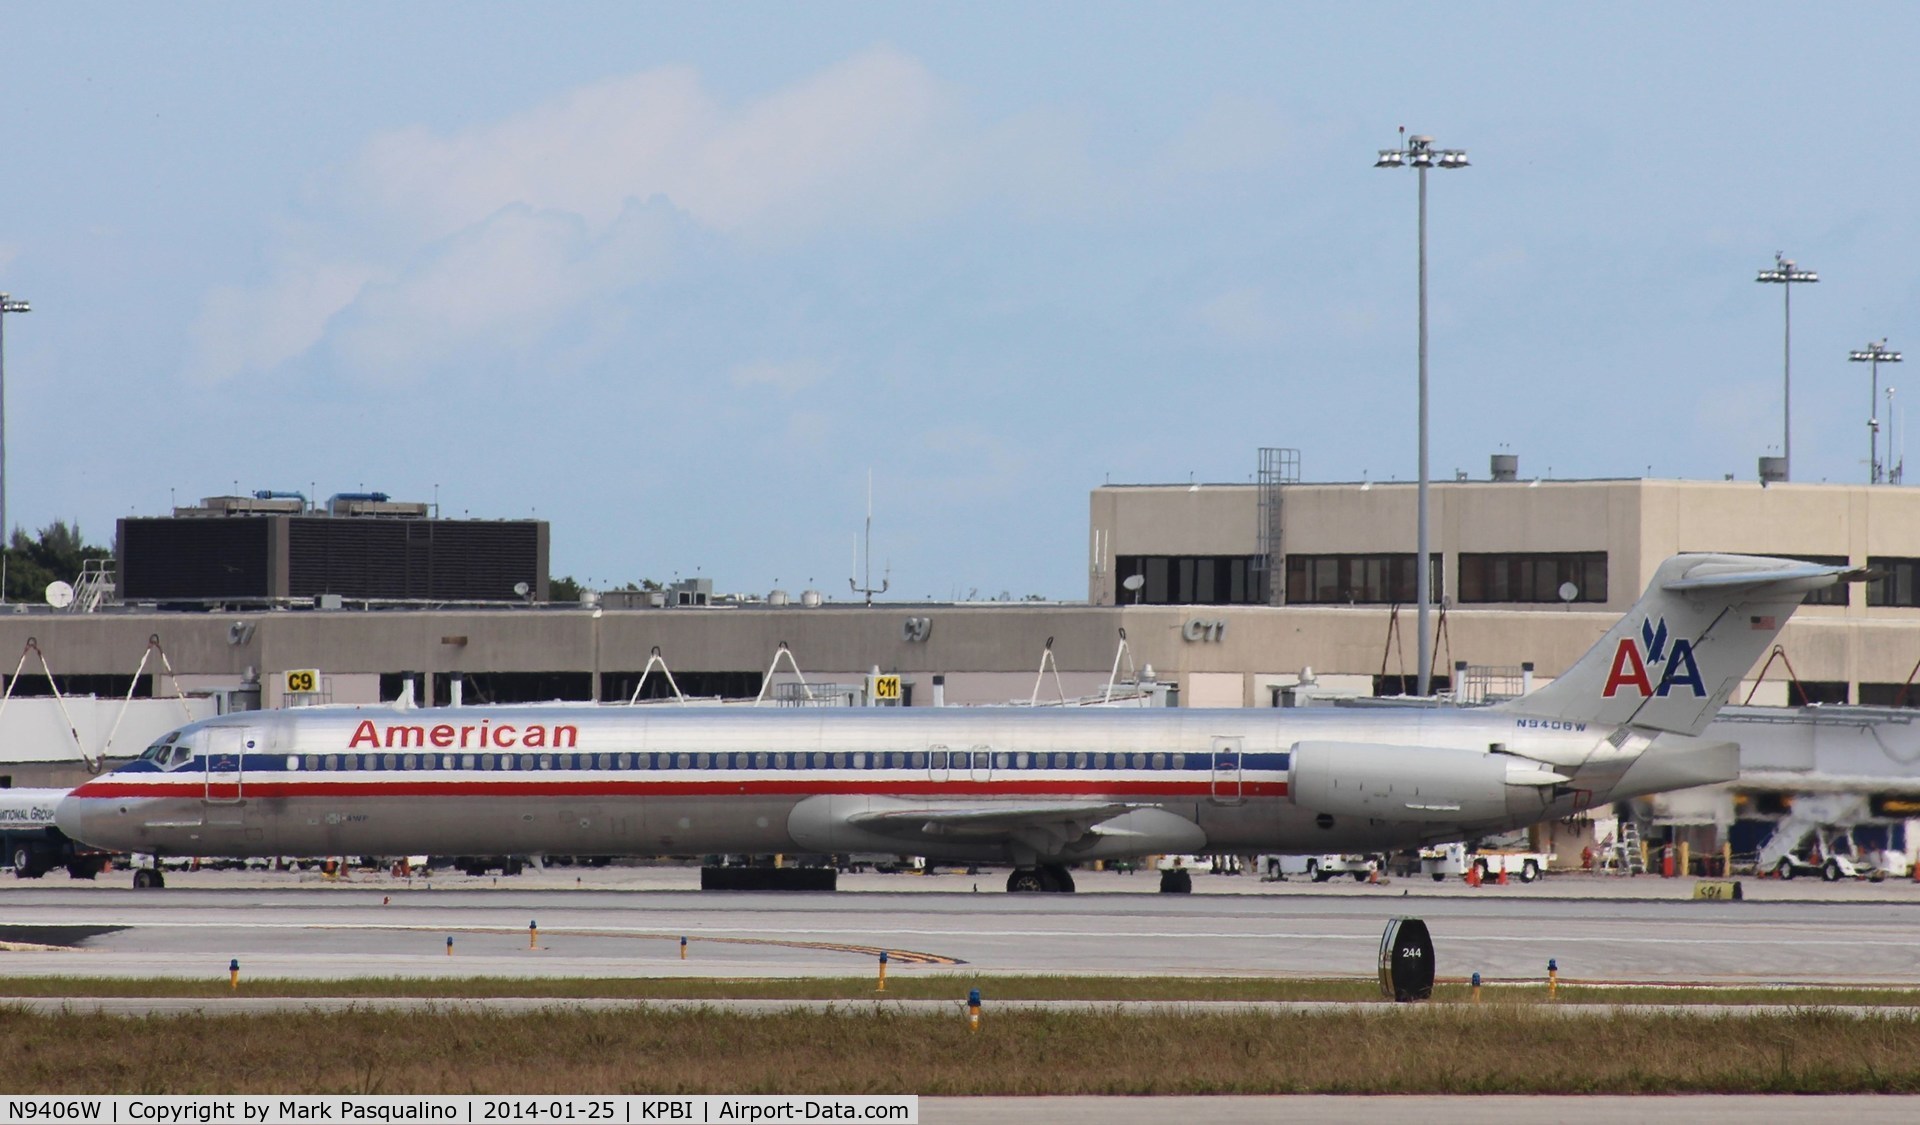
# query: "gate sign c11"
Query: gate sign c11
886,687
303,680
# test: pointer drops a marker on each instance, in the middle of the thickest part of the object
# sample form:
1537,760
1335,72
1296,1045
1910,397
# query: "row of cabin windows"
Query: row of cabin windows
938,759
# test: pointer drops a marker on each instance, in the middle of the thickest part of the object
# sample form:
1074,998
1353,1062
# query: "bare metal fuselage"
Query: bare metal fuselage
584,780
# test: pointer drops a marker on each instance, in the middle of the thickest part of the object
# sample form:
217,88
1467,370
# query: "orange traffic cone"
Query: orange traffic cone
1502,880
1473,875
1373,877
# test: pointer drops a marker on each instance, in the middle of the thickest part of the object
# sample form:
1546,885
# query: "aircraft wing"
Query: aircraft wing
1054,822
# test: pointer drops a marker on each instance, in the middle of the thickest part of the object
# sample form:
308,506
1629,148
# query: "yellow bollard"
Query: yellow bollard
1726,860
533,934
1553,978
683,949
883,972
1476,988
1686,859
973,1009
1644,866
233,974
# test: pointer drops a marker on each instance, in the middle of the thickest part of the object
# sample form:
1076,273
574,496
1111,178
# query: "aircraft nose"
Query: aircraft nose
77,816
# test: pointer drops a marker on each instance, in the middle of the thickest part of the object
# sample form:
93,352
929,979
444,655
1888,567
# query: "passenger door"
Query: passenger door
227,748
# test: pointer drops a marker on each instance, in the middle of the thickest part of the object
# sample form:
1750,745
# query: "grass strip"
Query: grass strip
942,987
1491,1049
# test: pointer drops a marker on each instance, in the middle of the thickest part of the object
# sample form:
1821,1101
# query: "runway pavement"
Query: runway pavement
611,924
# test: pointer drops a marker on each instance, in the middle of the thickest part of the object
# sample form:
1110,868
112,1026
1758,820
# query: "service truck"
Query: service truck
1319,868
1455,859
34,844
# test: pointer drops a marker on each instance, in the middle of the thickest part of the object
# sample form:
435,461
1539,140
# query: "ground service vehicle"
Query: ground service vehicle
1455,860
32,843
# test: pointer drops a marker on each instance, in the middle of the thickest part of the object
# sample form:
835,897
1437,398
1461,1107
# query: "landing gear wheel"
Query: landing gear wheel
1785,869
1057,878
1529,871
1177,882
148,877
1026,880
1830,872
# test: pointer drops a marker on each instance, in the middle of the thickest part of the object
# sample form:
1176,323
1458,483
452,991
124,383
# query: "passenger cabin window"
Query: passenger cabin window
919,761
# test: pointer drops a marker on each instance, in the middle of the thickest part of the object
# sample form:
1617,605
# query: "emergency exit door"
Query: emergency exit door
1226,788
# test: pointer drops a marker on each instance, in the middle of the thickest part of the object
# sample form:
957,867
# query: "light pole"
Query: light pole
1419,154
8,304
1875,354
1896,465
1786,275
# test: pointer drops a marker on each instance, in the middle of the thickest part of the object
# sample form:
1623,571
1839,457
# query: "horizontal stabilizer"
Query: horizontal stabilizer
1800,579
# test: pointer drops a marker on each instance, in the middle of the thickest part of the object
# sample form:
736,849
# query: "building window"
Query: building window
1191,580
1898,584
1890,695
1532,577
1356,579
1806,693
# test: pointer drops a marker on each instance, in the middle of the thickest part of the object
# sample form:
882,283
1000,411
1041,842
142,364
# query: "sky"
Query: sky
678,278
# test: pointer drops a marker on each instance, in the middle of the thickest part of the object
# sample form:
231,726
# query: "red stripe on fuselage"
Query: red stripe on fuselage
264,790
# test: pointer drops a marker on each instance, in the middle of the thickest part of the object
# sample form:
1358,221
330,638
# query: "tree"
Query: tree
58,554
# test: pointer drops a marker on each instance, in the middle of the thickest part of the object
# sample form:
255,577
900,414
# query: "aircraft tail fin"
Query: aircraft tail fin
1675,658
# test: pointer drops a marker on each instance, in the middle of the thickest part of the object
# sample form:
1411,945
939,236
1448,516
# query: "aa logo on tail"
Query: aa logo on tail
1675,662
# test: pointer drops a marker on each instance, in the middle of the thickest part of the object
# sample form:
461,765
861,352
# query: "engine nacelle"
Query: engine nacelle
1430,784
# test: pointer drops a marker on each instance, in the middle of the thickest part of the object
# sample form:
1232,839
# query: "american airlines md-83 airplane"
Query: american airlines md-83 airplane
1038,788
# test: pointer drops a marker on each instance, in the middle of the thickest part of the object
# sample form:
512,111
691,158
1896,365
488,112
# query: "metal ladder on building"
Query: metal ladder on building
1279,467
94,586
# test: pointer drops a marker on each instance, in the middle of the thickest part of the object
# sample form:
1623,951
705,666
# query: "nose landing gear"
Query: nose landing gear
149,877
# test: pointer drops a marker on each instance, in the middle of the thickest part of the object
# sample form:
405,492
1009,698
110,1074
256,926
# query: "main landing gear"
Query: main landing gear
1051,878
149,877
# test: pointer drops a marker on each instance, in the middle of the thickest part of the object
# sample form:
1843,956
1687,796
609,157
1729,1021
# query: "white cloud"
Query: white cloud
788,378
429,248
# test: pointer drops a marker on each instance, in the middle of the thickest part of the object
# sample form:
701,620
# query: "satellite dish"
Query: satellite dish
1134,582
1568,591
59,595
520,589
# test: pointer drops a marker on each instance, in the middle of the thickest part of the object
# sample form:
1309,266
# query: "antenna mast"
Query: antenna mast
886,580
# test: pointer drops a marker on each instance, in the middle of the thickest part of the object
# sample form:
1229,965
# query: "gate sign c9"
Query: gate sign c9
886,687
303,680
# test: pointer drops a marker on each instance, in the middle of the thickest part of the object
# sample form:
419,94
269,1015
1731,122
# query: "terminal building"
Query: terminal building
1260,594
